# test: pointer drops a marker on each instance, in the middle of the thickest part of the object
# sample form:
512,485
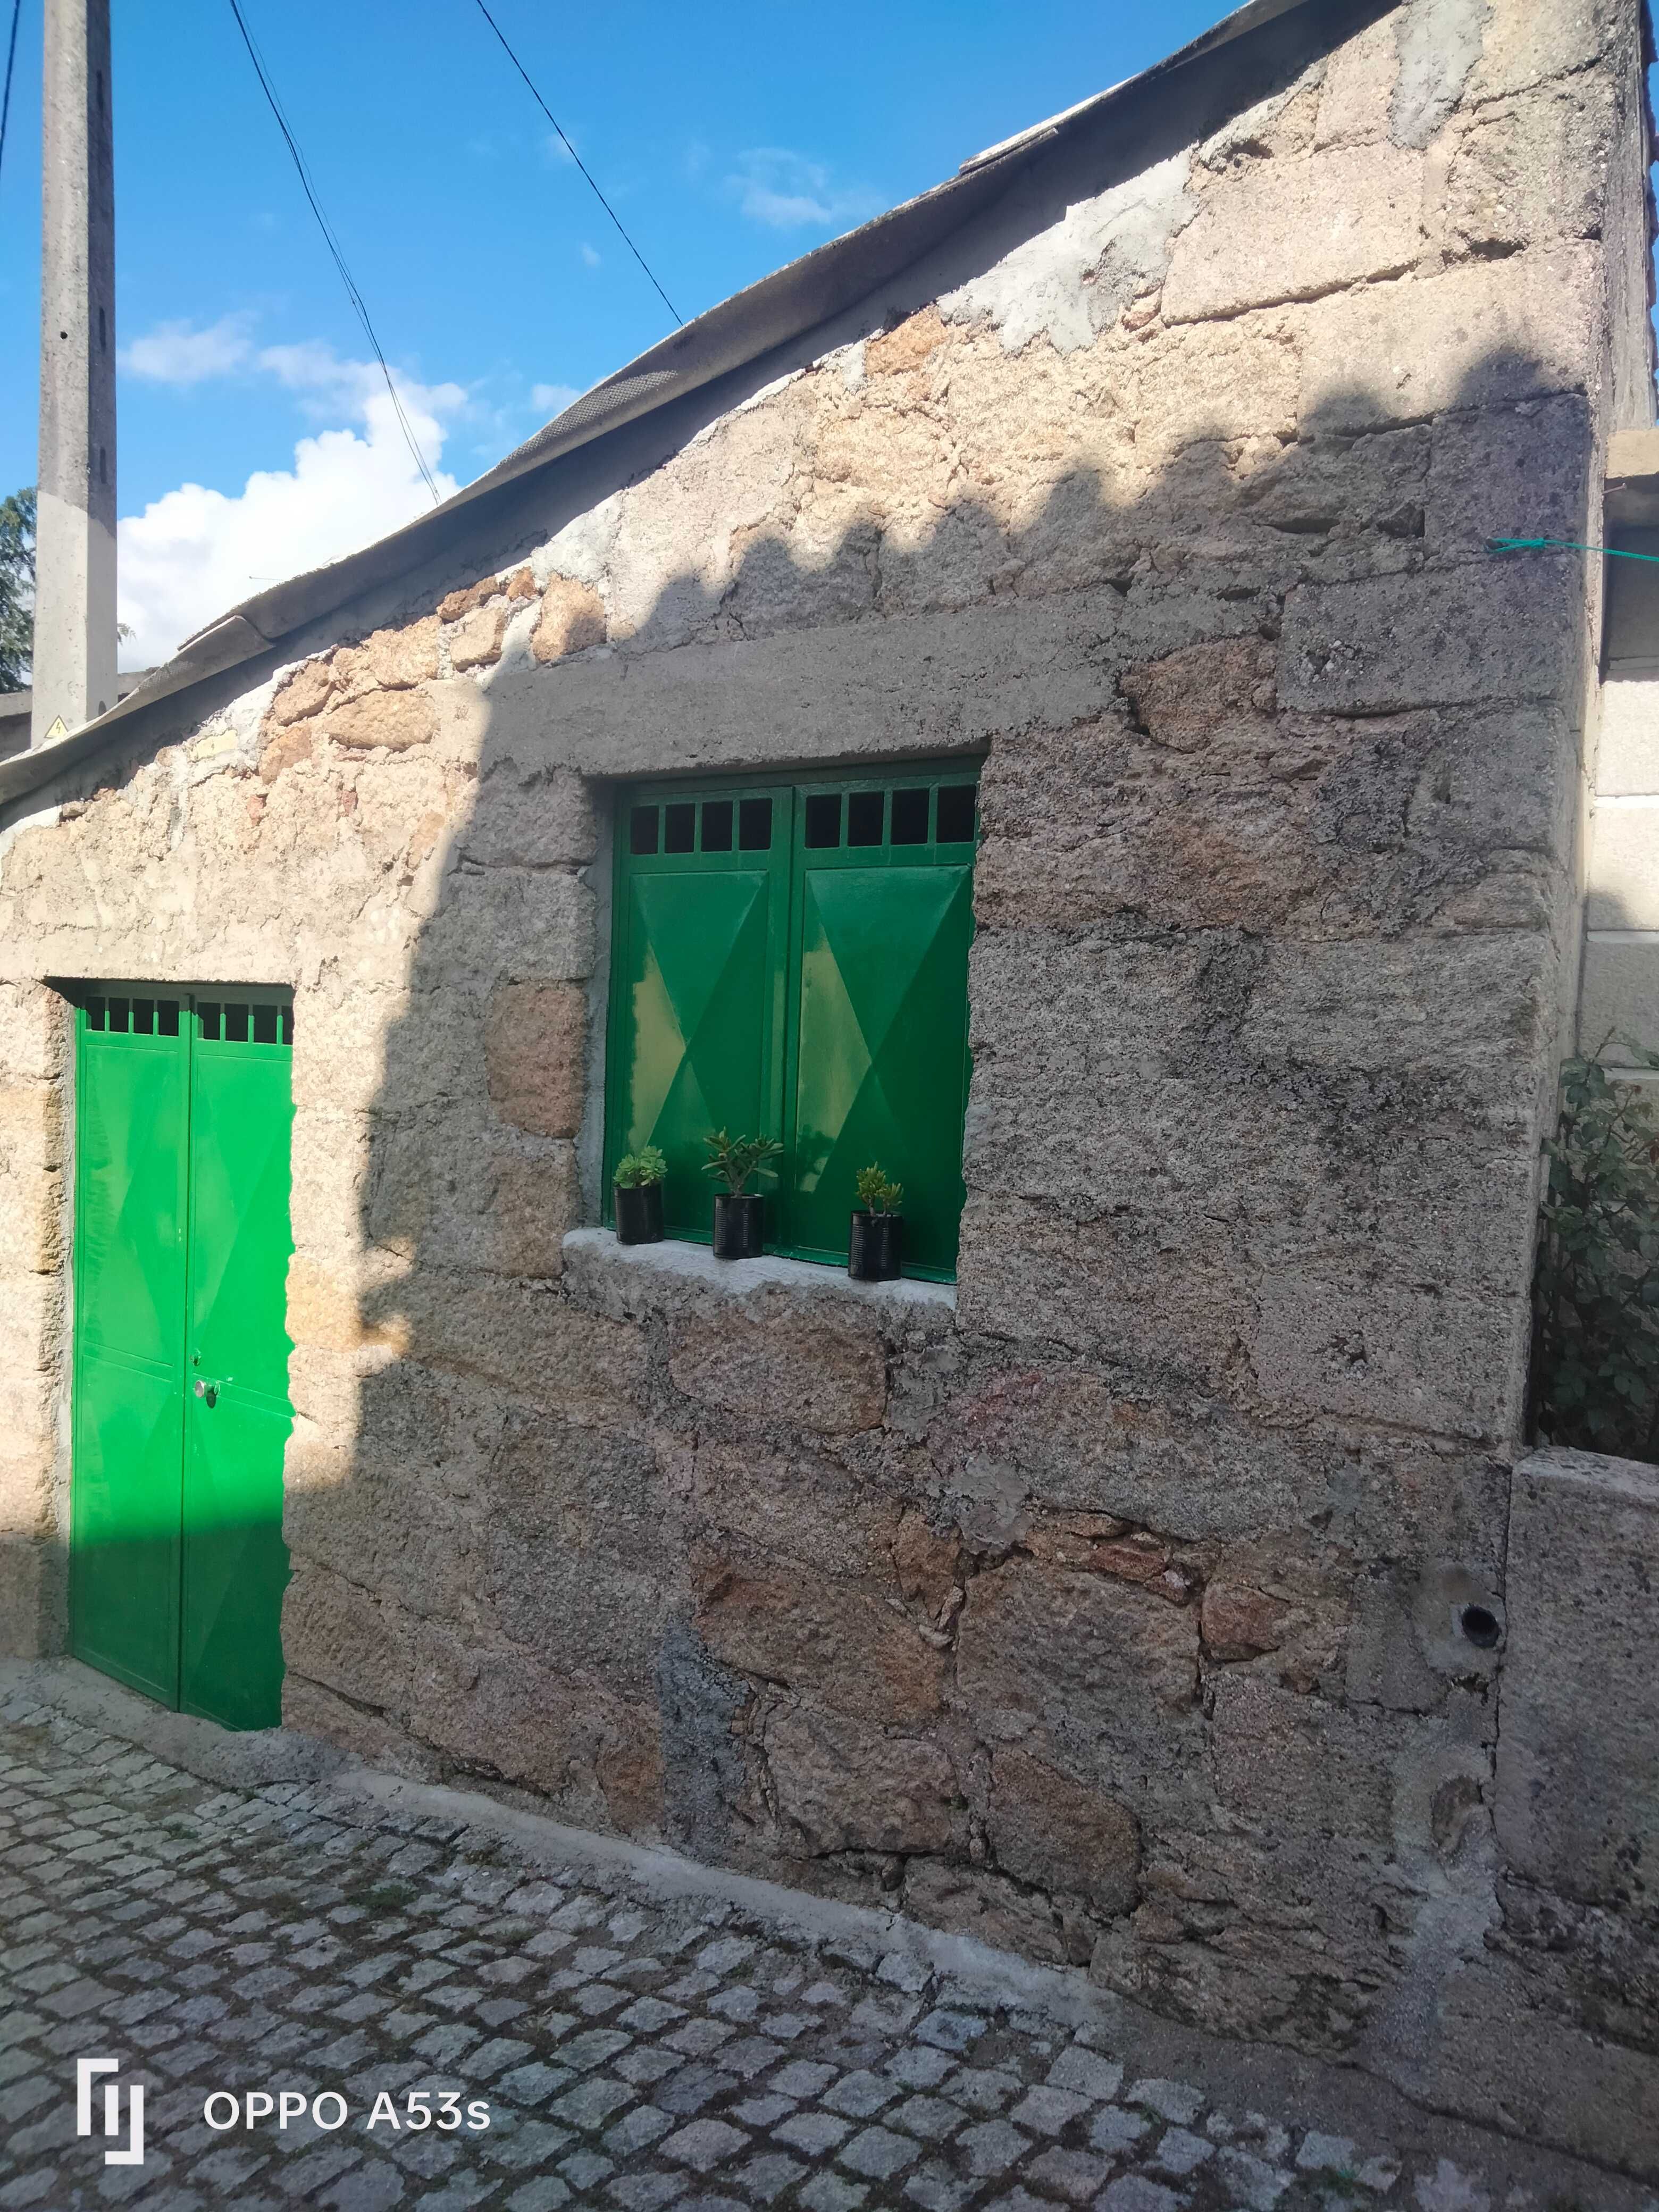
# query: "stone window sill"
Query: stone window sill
595,1261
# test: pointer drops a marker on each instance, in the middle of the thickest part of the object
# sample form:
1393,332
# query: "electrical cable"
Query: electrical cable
11,59
1561,545
581,164
335,253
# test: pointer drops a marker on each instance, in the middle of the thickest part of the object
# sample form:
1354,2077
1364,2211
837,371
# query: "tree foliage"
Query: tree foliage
1596,1292
16,589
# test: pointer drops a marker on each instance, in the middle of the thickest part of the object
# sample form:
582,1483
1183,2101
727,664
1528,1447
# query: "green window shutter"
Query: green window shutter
696,1009
879,1062
813,988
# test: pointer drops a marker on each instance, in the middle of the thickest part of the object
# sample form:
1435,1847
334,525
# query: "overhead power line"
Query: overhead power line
581,164
335,253
11,60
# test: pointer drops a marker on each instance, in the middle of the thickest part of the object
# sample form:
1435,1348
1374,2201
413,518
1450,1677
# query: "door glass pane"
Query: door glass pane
642,830
717,825
956,813
679,827
823,820
910,817
866,811
754,824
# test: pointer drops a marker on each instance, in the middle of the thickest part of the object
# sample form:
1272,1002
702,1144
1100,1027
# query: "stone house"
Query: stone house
1132,1583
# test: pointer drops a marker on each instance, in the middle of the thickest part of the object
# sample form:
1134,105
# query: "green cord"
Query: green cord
1563,545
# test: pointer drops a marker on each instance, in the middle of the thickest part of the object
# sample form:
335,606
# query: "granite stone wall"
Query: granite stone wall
1113,1607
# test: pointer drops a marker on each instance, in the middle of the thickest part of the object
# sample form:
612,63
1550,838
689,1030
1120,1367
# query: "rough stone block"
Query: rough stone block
1579,1743
772,1363
582,1558
338,1633
976,1901
513,1334
843,1648
572,618
800,1507
31,1597
1110,1287
476,640
526,816
305,692
1101,1666
597,1755
1417,1355
843,1788
1066,1437
535,1055
1293,229
34,1030
503,925
1046,1830
1507,471
1483,333
397,660
393,719
1476,633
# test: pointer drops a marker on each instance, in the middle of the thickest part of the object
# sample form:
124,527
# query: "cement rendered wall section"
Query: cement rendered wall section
1113,1614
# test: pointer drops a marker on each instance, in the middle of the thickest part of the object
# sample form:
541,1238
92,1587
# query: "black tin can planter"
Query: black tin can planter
873,1246
739,1225
639,1214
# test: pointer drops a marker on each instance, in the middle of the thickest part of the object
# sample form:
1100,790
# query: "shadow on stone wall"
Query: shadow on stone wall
1118,1622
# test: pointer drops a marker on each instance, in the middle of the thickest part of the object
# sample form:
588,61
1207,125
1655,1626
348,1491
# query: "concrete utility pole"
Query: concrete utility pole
74,675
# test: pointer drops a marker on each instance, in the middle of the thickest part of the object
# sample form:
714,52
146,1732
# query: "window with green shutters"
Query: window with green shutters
790,959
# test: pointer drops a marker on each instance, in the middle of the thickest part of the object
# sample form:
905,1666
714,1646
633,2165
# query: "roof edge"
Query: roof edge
737,331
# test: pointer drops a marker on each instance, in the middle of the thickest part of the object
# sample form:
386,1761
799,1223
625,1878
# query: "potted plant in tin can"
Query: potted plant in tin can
739,1215
877,1228
639,1179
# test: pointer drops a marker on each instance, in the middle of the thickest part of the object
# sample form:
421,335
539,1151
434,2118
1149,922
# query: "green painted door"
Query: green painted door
181,1409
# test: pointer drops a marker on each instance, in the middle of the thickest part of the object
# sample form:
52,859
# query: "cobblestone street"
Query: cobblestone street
632,2051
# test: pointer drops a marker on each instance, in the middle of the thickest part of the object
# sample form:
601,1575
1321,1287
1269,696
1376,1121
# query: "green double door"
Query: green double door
183,1114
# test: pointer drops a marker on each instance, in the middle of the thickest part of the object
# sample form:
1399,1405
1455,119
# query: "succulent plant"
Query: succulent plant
734,1159
876,1194
633,1170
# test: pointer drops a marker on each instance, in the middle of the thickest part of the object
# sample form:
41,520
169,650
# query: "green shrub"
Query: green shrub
1595,1377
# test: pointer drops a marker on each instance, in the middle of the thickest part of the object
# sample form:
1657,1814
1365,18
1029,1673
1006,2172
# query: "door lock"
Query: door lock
208,1392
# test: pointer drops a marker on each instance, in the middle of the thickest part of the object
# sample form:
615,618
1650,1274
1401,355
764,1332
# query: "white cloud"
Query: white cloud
590,260
194,552
551,399
787,191
175,353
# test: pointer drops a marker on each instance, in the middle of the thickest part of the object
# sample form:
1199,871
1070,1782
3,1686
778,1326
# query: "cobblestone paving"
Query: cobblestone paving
632,2053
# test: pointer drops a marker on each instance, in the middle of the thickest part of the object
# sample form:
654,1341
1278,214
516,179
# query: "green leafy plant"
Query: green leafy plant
633,1170
876,1194
734,1159
1595,1375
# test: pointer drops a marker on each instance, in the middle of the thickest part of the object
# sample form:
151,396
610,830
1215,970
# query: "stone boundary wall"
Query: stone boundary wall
1119,1612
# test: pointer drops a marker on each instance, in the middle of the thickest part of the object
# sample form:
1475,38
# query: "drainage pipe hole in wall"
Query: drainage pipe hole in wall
1480,1625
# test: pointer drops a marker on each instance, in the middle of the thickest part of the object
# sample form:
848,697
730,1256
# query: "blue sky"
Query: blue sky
730,140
